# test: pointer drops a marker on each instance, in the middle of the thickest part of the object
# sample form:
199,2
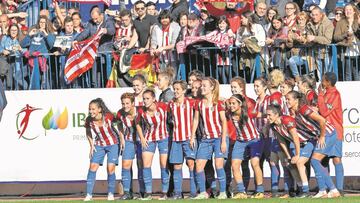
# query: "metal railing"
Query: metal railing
314,60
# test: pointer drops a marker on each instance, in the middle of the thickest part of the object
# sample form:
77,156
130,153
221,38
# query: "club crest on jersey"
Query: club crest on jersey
291,124
329,106
307,112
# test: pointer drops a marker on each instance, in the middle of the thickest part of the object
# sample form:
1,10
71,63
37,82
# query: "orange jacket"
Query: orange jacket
330,108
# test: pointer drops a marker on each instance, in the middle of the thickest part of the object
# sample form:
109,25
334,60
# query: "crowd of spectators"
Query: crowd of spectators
280,32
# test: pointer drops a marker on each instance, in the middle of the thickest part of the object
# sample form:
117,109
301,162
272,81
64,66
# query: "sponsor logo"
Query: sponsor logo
55,120
23,121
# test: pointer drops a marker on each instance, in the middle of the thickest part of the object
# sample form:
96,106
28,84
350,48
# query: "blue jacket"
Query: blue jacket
38,42
7,44
73,36
106,41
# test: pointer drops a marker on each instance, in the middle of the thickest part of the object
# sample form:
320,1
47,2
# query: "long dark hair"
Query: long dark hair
101,104
246,14
48,25
298,96
244,110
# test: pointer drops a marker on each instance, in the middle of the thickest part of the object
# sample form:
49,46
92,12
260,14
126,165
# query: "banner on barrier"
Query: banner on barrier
43,134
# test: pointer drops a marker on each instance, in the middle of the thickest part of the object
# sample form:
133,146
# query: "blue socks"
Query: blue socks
147,179
275,175
178,181
240,187
245,173
305,187
111,183
220,172
288,181
260,188
322,176
200,179
192,183
126,179
339,173
164,180
90,182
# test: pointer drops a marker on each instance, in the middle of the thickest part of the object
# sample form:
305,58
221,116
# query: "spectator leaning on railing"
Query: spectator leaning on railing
270,13
276,40
98,21
250,36
10,45
163,39
319,32
39,41
344,36
297,37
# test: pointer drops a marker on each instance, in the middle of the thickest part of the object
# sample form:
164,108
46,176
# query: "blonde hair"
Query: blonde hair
216,86
276,78
168,73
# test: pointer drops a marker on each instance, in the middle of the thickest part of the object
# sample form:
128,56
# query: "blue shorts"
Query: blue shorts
242,150
305,151
266,147
209,146
163,146
337,152
330,144
179,150
275,146
138,149
129,151
112,152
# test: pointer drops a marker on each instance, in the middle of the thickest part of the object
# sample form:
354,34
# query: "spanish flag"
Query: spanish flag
112,80
143,64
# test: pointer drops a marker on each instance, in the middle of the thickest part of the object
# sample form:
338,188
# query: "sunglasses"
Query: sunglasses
142,8
339,13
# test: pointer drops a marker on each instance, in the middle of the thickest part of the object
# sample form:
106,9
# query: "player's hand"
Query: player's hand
321,142
92,150
144,143
122,145
192,143
295,159
223,147
74,45
141,50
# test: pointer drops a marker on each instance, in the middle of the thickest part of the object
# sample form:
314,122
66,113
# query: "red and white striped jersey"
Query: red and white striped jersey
138,103
166,55
307,124
122,35
182,117
276,98
288,123
127,126
106,134
223,58
311,98
210,117
261,107
155,125
247,131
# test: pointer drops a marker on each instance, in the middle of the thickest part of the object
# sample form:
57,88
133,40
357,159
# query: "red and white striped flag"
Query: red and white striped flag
82,57
107,2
